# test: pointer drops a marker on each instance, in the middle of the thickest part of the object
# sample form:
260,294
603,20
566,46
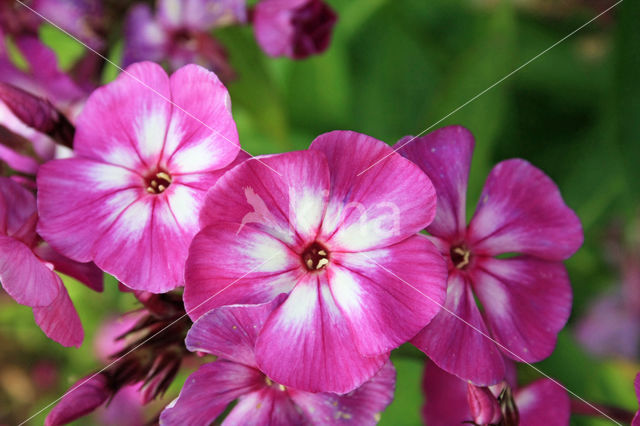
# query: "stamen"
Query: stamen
315,257
460,256
157,182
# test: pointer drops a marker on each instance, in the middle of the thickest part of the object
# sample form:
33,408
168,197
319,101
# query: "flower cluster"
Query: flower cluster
285,281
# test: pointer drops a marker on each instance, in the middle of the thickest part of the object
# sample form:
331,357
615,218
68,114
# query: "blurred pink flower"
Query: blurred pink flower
293,28
129,198
526,299
230,333
342,246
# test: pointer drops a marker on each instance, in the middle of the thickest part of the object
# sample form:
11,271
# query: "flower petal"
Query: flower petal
636,385
306,343
455,342
445,398
388,295
25,277
87,273
270,406
543,403
126,122
230,332
208,391
81,399
225,267
526,302
202,135
360,407
371,208
283,194
445,156
17,205
60,321
521,211
79,199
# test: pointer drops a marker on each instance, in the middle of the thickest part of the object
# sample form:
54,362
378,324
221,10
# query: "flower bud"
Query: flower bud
484,406
83,397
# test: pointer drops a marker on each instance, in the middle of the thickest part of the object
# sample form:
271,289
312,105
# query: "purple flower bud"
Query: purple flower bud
484,406
293,28
84,397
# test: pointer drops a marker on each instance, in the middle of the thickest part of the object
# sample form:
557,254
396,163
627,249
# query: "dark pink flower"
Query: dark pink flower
293,28
231,333
451,401
180,33
129,198
84,19
82,398
360,282
526,299
27,267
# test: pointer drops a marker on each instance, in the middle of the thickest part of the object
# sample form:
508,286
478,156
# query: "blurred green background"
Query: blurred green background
396,67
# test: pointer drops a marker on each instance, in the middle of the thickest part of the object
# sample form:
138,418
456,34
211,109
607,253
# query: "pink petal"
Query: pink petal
126,122
226,268
144,37
306,343
289,205
79,200
526,301
384,205
269,406
445,156
18,162
521,211
230,332
60,321
86,273
454,345
202,135
208,391
445,398
81,399
543,403
360,407
636,385
25,277
388,295
17,206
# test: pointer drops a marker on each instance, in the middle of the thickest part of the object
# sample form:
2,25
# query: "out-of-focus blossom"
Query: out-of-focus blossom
230,333
129,198
452,401
179,33
360,282
109,337
27,267
84,19
145,366
526,299
293,28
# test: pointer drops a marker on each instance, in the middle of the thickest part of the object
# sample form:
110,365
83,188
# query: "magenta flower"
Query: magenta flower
180,33
231,333
526,299
360,282
636,384
293,28
27,267
129,198
451,401
81,399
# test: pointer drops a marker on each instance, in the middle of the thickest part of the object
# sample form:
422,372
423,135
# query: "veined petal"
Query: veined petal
371,208
17,205
225,267
60,321
208,391
543,403
307,344
79,199
268,406
283,194
454,342
126,122
526,301
445,156
25,277
230,332
521,211
360,407
202,135
388,295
